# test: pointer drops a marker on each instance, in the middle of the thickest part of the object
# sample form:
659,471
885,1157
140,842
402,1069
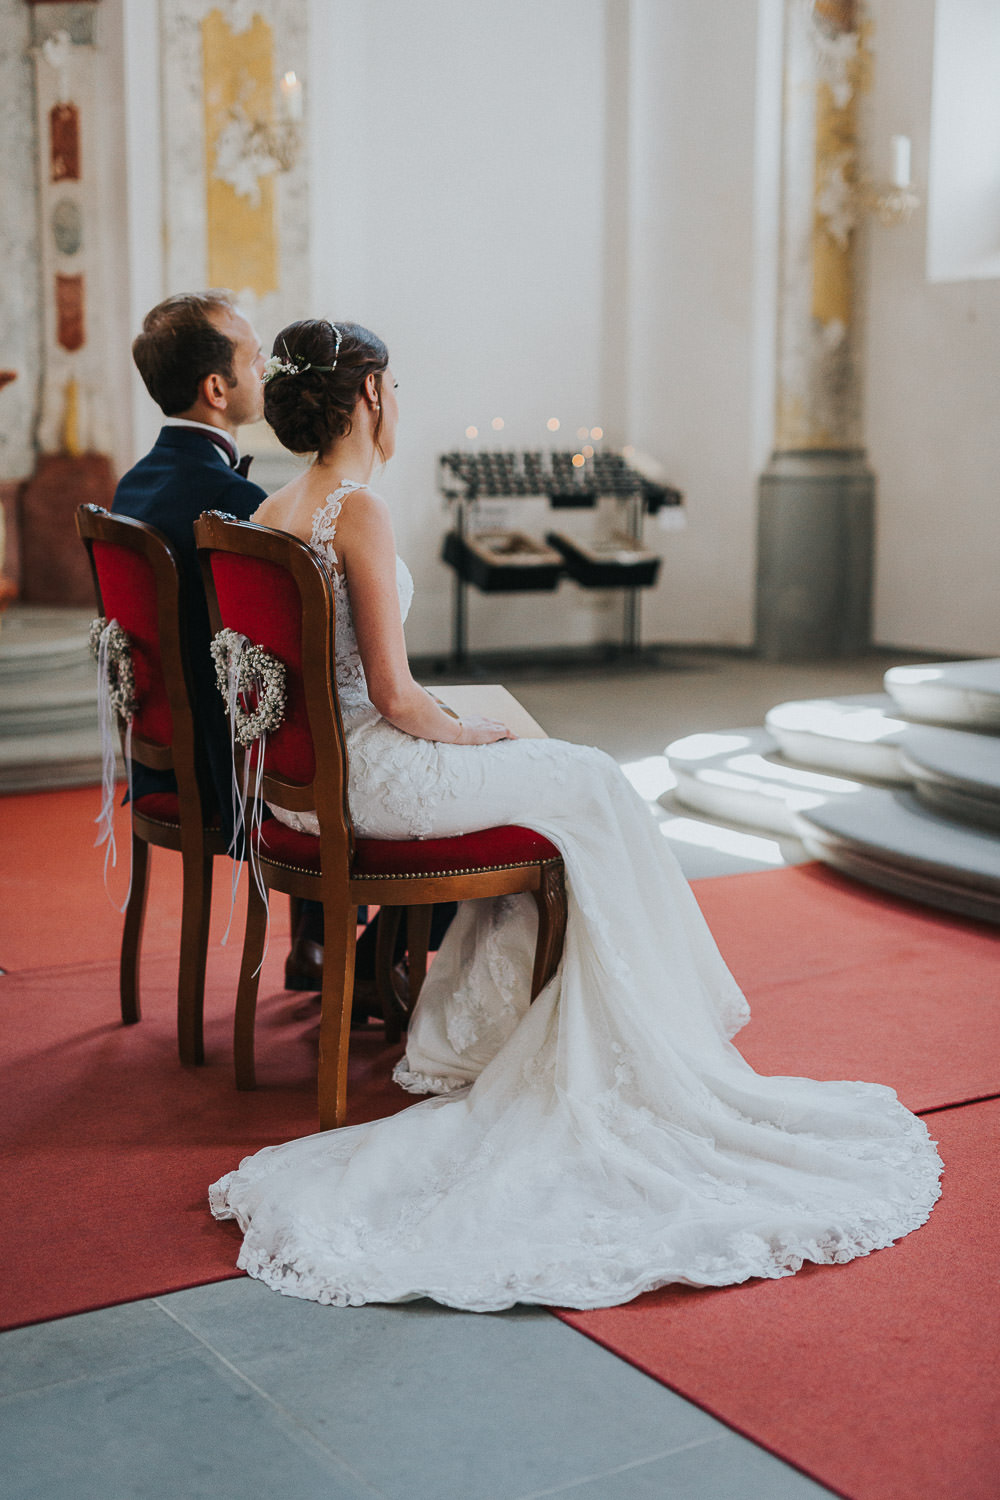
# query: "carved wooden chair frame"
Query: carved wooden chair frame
341,881
197,840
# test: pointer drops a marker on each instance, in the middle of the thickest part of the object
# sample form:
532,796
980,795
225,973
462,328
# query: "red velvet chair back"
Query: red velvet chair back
274,589
137,583
259,599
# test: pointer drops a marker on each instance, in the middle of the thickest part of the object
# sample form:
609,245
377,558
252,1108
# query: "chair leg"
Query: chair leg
418,937
394,1013
135,915
550,898
339,936
246,995
195,916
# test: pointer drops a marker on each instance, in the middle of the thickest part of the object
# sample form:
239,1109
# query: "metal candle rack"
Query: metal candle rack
509,561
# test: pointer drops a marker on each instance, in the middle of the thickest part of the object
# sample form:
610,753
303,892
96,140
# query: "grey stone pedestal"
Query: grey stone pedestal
815,545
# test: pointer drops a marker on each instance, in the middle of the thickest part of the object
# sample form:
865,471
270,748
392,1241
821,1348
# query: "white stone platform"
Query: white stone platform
912,808
963,694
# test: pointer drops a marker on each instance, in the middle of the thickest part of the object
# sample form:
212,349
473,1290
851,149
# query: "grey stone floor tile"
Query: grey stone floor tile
730,1468
470,1406
94,1343
188,1428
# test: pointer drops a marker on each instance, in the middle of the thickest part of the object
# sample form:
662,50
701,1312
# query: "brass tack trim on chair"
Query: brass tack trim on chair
167,823
521,864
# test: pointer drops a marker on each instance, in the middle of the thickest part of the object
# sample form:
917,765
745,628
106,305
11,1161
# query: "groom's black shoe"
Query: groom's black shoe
304,971
304,965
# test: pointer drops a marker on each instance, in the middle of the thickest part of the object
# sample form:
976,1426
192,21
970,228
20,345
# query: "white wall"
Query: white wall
458,196
569,207
706,138
468,159
933,381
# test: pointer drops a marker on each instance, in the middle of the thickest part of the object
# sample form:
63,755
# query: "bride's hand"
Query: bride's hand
475,730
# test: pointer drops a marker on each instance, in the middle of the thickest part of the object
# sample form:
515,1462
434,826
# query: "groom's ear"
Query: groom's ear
214,391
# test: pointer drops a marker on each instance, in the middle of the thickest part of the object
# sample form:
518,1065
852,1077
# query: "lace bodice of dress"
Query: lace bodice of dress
351,684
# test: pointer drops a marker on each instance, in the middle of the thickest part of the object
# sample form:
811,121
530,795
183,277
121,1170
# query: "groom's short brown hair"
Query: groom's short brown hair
180,345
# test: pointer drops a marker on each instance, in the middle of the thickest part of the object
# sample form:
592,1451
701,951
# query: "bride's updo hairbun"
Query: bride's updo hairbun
313,379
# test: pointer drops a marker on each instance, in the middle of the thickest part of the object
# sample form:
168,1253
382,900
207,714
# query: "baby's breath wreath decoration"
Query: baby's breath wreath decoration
257,671
244,672
116,700
120,673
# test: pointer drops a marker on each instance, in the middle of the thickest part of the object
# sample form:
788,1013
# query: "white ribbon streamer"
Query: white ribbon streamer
107,715
242,830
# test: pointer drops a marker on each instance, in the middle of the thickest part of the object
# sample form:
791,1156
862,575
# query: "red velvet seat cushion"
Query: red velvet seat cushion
492,848
165,808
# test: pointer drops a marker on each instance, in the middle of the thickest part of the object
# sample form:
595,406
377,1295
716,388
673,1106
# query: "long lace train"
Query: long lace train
603,1141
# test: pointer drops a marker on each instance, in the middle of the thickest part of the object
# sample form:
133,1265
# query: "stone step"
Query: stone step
49,701
892,840
739,776
41,638
856,736
33,763
956,772
961,694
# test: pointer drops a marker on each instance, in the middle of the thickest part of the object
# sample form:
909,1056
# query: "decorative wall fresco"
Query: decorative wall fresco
239,180
64,143
827,66
236,203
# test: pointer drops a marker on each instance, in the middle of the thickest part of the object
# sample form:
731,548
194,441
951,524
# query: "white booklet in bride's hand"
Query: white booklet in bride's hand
493,702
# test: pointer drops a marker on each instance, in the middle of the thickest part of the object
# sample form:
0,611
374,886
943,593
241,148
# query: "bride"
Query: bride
607,1139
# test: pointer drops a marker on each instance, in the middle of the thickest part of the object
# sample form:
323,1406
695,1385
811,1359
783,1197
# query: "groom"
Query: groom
201,361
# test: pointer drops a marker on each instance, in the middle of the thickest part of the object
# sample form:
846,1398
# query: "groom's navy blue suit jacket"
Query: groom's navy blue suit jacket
183,474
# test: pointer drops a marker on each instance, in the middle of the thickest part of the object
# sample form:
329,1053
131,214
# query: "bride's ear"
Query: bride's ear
372,391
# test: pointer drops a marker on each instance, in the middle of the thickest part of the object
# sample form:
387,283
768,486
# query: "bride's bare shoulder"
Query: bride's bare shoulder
275,509
364,511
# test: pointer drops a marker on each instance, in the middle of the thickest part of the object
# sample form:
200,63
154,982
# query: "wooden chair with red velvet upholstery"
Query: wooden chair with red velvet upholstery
137,582
274,589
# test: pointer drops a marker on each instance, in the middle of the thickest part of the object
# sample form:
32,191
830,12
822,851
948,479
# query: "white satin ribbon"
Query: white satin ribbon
106,715
241,829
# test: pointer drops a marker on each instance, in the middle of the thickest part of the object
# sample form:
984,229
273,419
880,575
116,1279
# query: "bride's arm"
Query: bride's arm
367,549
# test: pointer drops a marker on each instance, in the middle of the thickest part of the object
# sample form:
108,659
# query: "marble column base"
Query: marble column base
815,550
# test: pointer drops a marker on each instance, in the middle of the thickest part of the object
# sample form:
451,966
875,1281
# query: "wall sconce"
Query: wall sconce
893,202
247,149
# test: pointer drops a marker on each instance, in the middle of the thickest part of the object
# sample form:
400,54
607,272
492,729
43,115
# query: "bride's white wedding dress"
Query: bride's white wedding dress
612,1139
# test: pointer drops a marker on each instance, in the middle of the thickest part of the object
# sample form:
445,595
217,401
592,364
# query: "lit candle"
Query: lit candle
901,161
291,96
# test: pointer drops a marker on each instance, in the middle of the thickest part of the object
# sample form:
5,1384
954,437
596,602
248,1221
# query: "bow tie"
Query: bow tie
227,447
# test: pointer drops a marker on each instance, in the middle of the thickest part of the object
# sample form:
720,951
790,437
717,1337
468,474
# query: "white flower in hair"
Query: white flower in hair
278,366
275,365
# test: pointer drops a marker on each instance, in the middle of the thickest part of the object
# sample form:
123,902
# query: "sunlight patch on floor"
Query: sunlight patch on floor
651,776
725,840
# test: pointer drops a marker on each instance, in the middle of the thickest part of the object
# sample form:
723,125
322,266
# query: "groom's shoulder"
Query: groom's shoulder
184,479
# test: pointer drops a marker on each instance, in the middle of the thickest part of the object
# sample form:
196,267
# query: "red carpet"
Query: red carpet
845,982
877,1378
110,1144
881,1378
53,909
